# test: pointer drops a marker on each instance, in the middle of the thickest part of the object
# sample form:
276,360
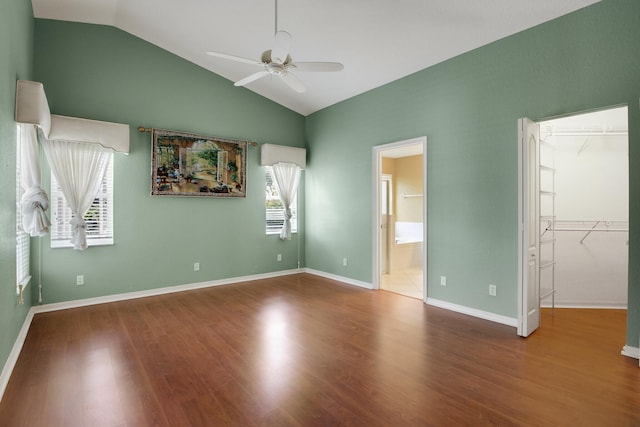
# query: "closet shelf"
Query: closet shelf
547,214
594,132
547,169
589,226
583,224
546,292
546,264
586,229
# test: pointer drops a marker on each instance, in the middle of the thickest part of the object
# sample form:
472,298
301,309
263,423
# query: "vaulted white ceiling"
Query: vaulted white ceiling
378,41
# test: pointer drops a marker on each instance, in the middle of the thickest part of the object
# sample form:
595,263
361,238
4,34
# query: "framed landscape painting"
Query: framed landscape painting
184,164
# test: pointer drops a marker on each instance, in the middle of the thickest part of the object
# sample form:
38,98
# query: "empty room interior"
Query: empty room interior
297,213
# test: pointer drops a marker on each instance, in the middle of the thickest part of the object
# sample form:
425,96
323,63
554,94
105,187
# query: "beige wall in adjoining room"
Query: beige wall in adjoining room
407,179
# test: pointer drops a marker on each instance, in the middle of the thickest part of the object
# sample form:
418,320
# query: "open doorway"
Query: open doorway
400,217
574,205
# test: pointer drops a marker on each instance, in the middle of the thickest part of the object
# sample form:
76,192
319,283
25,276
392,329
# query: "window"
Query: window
275,209
99,217
22,238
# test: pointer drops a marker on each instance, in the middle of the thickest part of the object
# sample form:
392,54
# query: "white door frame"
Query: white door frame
386,180
377,173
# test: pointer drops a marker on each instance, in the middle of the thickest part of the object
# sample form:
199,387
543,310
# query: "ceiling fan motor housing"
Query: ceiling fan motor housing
275,68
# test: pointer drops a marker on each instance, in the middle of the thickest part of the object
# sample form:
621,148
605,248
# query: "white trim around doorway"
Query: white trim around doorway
375,209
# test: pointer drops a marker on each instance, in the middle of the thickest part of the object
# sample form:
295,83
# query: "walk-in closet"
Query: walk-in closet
584,210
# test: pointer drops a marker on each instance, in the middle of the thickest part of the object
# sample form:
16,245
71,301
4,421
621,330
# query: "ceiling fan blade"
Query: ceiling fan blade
251,78
318,66
280,51
234,58
293,82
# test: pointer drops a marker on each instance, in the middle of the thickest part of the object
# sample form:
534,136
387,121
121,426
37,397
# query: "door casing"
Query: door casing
377,175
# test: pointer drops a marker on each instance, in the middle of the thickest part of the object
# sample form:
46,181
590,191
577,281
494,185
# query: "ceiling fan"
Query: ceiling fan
278,62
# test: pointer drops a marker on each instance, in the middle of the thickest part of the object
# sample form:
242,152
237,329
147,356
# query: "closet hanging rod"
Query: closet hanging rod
144,129
589,232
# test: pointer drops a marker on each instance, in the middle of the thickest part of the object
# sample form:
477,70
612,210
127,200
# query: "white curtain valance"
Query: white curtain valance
270,154
32,107
110,135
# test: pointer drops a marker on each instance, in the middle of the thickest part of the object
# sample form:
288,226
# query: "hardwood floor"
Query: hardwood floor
306,351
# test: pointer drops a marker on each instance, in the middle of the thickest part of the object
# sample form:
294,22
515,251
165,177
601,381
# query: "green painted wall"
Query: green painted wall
468,108
16,49
102,73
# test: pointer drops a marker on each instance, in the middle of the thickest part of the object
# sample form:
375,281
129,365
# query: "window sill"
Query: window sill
57,244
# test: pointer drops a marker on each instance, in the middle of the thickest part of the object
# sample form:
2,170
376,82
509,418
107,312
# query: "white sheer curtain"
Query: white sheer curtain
286,177
79,169
34,201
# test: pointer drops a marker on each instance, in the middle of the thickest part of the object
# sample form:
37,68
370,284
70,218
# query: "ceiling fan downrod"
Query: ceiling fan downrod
276,18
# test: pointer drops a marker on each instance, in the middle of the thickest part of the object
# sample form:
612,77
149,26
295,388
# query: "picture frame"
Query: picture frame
190,165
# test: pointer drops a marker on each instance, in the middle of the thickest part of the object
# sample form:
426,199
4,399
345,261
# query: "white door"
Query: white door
529,223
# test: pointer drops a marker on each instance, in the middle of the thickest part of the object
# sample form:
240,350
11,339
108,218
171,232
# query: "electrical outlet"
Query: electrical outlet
80,280
279,257
196,266
492,290
443,280
344,262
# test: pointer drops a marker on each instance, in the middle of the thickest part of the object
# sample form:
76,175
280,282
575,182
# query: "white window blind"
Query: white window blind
99,217
23,274
275,209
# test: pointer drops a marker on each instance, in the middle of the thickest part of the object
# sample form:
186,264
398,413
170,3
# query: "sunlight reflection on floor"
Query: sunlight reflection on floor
278,356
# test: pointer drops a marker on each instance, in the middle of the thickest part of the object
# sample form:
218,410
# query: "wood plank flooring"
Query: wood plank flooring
306,351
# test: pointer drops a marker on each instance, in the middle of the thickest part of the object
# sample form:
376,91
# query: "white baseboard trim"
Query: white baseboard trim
158,291
509,321
7,370
629,351
342,279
